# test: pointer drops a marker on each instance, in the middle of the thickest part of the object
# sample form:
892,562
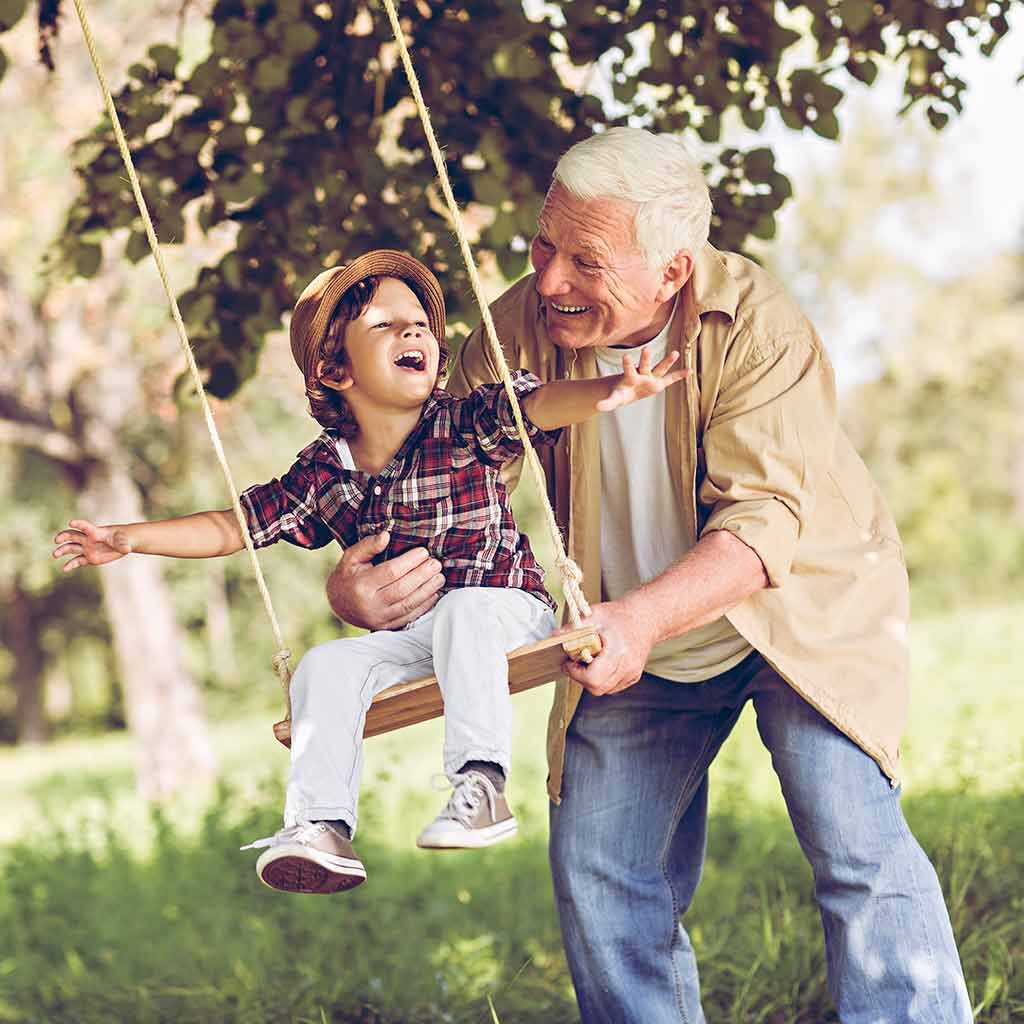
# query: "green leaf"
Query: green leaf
272,73
3,64
165,58
856,14
137,247
11,12
759,164
710,128
753,117
765,227
300,37
87,260
865,71
826,125
295,111
791,118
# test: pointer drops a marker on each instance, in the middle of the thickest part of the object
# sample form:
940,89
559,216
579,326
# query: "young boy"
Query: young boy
398,455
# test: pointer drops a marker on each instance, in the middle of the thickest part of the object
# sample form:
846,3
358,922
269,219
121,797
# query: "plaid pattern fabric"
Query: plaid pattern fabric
442,491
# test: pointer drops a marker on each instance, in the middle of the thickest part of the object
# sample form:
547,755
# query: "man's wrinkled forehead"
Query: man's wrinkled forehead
602,226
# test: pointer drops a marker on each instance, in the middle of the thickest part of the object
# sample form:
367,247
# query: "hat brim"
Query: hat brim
383,263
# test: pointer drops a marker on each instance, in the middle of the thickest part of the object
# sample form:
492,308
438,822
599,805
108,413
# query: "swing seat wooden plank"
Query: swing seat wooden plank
420,700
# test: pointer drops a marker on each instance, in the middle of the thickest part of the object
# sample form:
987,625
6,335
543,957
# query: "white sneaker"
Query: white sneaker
308,858
476,815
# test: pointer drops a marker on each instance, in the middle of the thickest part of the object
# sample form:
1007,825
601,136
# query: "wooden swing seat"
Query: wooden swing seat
420,700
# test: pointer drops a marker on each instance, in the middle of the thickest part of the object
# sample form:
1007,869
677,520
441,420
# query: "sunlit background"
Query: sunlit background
906,248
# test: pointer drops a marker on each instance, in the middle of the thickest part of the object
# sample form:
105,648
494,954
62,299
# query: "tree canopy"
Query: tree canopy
295,129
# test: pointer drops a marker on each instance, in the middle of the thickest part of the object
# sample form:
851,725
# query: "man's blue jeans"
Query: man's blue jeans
628,840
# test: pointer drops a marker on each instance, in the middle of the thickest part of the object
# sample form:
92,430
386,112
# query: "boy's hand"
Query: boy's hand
89,544
641,381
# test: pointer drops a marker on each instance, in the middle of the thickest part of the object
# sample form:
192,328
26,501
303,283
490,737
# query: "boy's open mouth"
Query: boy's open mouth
411,359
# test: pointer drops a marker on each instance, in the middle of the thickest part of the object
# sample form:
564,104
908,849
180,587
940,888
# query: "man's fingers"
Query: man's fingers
398,578
67,548
416,610
395,570
366,549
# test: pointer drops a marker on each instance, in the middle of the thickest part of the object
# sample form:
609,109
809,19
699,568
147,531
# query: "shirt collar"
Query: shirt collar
712,288
325,447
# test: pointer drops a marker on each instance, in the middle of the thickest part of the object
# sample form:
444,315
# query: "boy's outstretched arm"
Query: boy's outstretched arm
203,535
560,403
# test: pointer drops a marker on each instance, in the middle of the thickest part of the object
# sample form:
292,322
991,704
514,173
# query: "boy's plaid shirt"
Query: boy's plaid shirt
442,491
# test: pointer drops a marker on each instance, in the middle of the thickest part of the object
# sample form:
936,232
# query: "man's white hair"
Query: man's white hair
657,173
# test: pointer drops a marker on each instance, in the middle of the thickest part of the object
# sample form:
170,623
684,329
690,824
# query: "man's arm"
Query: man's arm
713,577
767,446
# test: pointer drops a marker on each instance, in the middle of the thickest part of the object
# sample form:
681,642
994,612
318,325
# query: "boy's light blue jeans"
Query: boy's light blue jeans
462,640
628,840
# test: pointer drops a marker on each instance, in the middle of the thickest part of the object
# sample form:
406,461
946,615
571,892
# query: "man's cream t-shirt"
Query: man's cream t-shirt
642,531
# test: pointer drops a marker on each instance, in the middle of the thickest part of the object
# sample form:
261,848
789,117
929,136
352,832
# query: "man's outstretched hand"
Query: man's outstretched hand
385,596
626,646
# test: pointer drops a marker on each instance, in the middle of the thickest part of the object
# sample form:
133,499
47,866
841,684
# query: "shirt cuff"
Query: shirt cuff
767,527
525,383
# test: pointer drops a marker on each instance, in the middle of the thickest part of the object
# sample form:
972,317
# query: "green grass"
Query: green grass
109,913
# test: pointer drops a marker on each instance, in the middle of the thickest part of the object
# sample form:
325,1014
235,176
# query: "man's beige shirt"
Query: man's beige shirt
756,449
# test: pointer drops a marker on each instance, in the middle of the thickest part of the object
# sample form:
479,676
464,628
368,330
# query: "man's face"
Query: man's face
595,282
392,357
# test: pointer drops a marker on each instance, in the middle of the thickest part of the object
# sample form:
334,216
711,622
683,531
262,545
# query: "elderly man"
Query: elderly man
735,549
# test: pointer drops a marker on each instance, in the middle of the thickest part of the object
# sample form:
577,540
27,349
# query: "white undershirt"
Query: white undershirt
643,531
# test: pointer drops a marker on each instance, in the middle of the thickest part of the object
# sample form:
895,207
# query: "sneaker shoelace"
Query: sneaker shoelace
467,791
304,832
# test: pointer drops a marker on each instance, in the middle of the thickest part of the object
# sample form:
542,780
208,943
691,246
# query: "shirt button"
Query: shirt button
377,489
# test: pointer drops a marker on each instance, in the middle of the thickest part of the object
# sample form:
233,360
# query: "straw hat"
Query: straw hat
317,303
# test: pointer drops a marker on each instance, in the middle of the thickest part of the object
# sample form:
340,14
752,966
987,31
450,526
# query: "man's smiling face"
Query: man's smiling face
595,281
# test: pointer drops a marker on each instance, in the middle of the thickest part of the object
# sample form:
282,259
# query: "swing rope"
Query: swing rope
576,602
570,571
282,658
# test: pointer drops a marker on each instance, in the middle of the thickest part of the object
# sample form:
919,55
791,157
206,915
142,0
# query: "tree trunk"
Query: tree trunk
163,705
22,639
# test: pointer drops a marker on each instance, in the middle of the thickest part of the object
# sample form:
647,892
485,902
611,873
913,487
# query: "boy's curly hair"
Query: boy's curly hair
327,406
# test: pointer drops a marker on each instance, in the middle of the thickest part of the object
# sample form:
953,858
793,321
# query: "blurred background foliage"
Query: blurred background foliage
274,137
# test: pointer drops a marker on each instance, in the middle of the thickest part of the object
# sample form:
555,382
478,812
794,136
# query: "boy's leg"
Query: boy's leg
473,630
889,945
332,690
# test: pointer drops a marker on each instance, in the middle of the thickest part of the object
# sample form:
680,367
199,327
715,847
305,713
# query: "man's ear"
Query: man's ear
676,273
335,377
